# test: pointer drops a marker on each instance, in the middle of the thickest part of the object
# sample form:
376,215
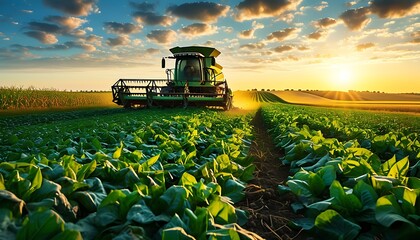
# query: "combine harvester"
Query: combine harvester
196,80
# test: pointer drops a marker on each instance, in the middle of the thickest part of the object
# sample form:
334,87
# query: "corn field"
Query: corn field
18,98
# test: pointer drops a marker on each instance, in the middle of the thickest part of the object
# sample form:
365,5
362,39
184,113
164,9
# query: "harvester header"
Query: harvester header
196,80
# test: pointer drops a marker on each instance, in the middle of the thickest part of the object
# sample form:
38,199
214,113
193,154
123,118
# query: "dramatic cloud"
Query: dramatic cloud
351,4
416,36
325,22
145,6
248,34
395,8
283,48
94,39
73,7
363,46
321,6
66,22
118,41
303,48
44,27
152,51
253,46
162,36
356,19
317,35
150,18
121,28
65,46
145,13
198,29
202,11
84,46
253,9
282,34
43,37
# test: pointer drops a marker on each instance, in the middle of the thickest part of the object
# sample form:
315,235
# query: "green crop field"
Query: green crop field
13,98
350,169
179,173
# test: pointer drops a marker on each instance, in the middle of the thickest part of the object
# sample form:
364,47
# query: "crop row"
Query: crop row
263,97
345,188
19,98
176,178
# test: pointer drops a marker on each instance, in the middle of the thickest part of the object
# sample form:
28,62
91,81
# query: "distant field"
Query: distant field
365,96
379,101
18,99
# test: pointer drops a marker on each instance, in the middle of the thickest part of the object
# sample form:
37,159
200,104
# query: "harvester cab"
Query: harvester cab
196,80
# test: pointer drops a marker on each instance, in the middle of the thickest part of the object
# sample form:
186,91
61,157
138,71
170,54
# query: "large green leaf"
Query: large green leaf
173,200
300,188
41,225
366,194
35,178
233,189
347,204
388,211
176,233
382,185
68,234
118,151
86,170
91,198
316,184
406,198
390,214
141,213
399,169
198,221
149,162
334,226
10,201
222,211
328,174
386,166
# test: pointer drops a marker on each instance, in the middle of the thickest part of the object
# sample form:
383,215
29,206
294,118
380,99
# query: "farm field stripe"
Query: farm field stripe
352,182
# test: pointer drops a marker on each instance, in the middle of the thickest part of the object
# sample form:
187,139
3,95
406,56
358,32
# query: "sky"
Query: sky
272,44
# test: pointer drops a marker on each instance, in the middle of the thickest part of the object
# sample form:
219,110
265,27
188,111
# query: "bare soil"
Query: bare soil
270,213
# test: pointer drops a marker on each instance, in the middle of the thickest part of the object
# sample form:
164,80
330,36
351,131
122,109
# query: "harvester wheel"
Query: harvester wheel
228,105
149,102
127,104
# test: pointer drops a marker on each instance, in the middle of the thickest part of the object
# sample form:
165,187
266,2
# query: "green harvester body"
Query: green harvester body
196,80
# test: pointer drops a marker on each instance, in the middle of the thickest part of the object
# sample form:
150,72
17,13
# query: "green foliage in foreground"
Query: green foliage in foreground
359,182
147,176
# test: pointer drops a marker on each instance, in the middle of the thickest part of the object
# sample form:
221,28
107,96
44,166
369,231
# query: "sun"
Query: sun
341,77
344,76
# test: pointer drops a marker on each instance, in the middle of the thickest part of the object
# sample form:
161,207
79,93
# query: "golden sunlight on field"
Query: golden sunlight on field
360,100
249,100
244,100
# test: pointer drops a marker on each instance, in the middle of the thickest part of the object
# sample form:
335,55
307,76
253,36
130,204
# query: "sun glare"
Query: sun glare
341,77
344,76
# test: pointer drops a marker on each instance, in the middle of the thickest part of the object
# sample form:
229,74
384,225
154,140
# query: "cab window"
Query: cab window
189,69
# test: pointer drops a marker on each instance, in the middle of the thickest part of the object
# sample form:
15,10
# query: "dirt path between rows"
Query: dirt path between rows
269,213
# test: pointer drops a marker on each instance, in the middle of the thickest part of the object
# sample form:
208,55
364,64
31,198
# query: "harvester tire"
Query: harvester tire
127,104
228,105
